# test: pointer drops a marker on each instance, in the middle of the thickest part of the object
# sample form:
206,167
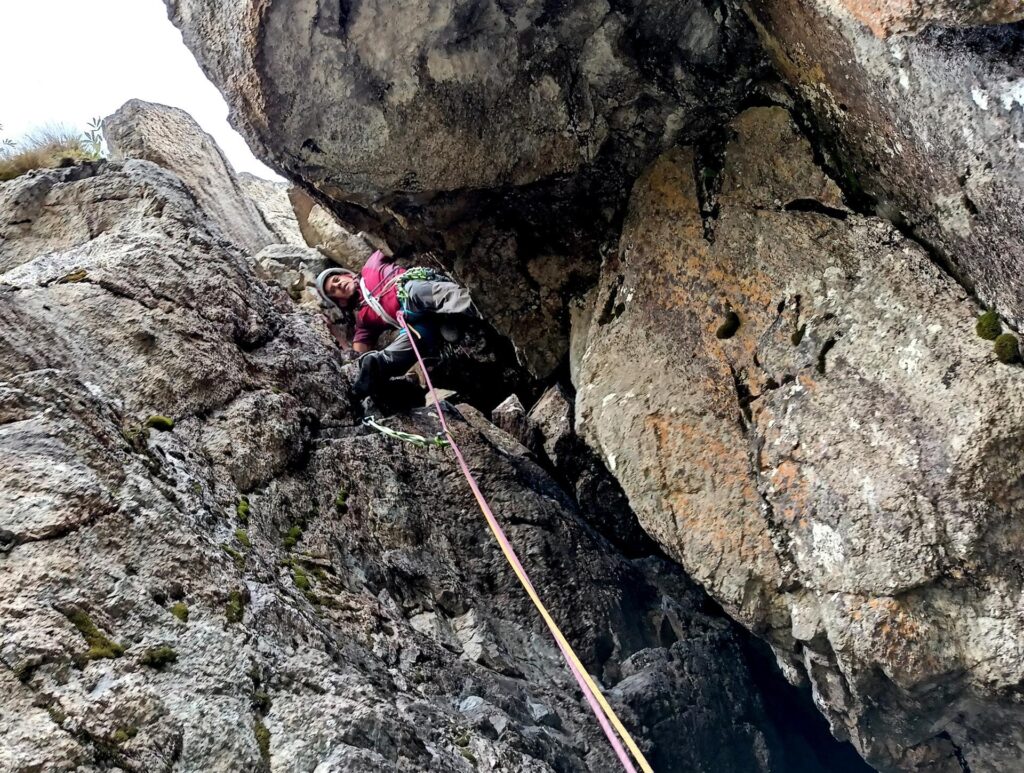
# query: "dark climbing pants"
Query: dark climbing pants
424,307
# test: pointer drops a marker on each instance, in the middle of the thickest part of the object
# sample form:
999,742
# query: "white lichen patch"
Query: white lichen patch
827,546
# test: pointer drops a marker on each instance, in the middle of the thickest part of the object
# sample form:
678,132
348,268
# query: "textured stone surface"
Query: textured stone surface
368,98
272,200
327,590
844,470
552,415
501,135
171,138
928,126
293,269
321,230
510,416
886,17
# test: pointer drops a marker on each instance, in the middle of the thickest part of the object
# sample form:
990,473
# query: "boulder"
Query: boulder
924,128
321,230
510,416
293,269
551,423
211,565
552,418
371,98
171,139
794,400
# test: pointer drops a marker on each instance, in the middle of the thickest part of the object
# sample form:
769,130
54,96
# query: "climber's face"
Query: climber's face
341,288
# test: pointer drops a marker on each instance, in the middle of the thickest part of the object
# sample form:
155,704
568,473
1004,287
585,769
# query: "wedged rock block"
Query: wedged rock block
795,401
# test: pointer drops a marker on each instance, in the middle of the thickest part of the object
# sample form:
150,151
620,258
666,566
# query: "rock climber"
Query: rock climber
377,295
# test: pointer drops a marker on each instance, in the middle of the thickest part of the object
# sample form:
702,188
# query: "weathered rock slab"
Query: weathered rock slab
926,126
795,401
171,139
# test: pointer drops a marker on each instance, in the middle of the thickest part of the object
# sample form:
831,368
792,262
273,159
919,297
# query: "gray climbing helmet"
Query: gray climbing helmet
321,281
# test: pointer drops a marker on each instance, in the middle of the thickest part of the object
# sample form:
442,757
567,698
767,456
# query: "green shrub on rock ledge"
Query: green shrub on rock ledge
180,611
262,738
235,609
124,734
293,536
1006,348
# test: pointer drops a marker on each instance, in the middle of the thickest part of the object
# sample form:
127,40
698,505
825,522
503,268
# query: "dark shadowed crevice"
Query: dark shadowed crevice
808,743
813,205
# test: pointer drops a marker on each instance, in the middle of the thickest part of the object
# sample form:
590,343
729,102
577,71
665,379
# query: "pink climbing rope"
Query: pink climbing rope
591,692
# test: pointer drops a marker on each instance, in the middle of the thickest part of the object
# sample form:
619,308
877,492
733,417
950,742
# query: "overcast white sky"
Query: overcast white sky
68,61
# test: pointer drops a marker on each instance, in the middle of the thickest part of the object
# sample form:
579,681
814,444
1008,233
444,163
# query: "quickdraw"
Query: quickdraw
408,437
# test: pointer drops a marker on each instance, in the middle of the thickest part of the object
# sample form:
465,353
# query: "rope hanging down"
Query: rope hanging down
606,717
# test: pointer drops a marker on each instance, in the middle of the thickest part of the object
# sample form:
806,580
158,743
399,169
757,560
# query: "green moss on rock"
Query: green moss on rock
262,739
235,608
291,539
237,557
729,327
180,611
243,537
74,277
1006,348
301,579
124,734
242,511
100,646
160,423
261,702
136,435
158,657
341,501
989,327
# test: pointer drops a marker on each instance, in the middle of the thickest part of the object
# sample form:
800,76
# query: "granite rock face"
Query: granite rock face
207,564
928,127
171,139
371,98
813,429
293,269
322,231
275,206
787,388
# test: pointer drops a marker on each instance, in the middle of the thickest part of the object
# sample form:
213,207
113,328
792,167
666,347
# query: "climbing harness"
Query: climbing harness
606,717
399,281
408,437
374,303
